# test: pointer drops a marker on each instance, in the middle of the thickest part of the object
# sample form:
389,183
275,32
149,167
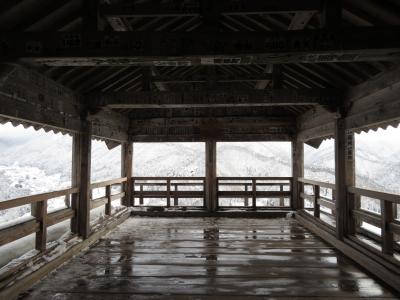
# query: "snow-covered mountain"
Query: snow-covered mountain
35,162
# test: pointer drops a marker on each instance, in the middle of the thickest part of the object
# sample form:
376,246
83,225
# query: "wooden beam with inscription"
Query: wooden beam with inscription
193,8
215,98
201,78
221,129
202,48
31,98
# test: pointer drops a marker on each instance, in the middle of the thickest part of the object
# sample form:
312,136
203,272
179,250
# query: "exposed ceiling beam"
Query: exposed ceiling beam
183,49
300,20
193,8
224,98
199,78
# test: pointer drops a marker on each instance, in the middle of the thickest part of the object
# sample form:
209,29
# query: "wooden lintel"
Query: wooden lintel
202,48
223,98
116,9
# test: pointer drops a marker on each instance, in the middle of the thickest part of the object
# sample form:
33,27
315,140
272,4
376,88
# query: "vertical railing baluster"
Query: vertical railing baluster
281,199
141,194
246,199
316,199
133,192
254,191
175,194
168,192
387,216
40,213
108,204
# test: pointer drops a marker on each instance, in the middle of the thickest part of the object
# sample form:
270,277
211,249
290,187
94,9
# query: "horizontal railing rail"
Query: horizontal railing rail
169,188
227,187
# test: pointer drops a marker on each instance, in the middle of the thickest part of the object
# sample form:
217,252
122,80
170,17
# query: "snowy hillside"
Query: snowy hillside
47,165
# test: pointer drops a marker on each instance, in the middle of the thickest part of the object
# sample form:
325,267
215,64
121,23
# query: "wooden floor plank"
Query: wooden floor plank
209,258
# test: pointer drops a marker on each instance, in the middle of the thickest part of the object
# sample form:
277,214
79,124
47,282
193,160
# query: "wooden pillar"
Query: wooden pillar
344,175
387,212
297,171
85,142
75,179
91,18
211,176
126,171
331,16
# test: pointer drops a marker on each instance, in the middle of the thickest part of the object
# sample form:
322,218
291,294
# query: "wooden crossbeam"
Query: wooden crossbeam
215,98
201,48
193,8
200,78
206,128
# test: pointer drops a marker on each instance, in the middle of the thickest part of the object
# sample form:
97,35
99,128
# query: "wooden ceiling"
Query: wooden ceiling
192,16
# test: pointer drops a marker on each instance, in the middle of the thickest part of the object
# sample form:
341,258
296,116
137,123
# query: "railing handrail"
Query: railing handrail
395,198
319,183
255,178
105,183
37,198
167,178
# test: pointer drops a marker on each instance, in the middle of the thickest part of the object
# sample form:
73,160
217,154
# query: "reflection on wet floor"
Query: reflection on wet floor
160,258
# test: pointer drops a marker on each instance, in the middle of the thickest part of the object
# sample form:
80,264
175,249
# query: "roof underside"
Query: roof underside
61,15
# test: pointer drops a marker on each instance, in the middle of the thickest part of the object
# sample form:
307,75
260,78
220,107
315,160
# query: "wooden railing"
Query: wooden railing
386,221
108,197
251,188
318,200
42,219
169,188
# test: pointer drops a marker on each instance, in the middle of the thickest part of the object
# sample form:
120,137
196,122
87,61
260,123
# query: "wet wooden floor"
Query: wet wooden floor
196,258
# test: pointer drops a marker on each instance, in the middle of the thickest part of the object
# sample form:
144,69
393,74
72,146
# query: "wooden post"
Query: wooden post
141,195
108,204
344,175
387,216
331,16
84,190
126,171
254,193
176,203
168,192
246,199
75,179
211,176
39,211
316,205
281,200
91,18
297,171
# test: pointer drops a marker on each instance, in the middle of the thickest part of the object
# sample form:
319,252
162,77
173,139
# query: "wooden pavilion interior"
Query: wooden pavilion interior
207,71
